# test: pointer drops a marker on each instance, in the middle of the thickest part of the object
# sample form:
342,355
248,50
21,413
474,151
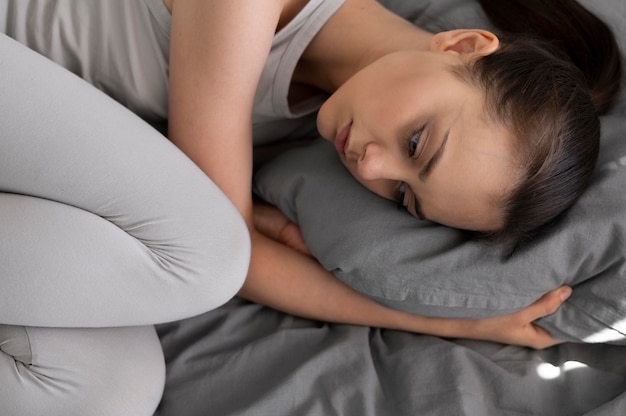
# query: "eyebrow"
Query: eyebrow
423,175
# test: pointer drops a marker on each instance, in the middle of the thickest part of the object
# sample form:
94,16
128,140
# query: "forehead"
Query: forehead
474,174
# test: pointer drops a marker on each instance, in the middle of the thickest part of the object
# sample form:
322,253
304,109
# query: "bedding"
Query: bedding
245,359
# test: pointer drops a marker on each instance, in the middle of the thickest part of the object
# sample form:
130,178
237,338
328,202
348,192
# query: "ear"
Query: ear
465,42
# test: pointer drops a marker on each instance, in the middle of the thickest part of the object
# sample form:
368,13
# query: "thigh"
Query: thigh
110,223
73,371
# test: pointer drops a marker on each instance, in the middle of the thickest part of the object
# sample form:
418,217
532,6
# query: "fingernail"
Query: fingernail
565,293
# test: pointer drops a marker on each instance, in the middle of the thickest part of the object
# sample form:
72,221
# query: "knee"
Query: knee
108,371
216,268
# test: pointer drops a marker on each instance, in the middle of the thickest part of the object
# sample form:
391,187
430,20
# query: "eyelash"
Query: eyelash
412,143
410,151
411,148
400,193
400,196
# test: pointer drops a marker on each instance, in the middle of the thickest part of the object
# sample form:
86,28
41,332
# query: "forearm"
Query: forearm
286,280
289,281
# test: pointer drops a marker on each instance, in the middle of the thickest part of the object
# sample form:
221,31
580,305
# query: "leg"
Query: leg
105,222
74,371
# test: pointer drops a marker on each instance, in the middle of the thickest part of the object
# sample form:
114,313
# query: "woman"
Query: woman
411,145
395,127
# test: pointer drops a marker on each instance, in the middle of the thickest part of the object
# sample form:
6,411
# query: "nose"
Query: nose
373,163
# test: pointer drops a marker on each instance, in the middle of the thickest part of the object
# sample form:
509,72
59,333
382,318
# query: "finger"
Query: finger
548,303
290,235
269,220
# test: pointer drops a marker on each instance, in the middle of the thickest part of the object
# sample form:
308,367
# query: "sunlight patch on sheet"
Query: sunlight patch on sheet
548,371
608,334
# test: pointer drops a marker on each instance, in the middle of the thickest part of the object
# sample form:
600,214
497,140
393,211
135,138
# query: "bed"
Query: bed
245,359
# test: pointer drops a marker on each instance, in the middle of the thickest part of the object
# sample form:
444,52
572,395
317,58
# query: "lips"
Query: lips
342,139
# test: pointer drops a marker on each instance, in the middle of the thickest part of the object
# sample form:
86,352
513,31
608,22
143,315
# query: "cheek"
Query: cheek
323,120
375,91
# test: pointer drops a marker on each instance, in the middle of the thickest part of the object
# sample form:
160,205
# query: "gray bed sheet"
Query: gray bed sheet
244,359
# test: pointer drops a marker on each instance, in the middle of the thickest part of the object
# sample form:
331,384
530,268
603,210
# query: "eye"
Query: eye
413,142
405,197
400,193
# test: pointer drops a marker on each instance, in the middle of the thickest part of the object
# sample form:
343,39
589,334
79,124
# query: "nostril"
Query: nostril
362,155
369,150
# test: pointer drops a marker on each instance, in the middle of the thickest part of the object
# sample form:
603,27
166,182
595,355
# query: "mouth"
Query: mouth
341,140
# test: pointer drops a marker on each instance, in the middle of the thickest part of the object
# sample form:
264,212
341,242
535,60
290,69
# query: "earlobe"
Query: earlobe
465,42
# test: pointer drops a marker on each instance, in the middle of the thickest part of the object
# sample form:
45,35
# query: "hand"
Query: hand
518,328
271,222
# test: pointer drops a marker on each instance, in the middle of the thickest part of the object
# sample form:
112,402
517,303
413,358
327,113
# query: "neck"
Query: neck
359,33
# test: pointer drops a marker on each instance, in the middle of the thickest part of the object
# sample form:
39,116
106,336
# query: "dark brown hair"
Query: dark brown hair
548,85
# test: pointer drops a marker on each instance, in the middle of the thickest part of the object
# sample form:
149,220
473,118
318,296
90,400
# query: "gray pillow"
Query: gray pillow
427,269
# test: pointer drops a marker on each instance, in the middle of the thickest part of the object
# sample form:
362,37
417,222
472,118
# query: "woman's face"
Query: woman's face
408,129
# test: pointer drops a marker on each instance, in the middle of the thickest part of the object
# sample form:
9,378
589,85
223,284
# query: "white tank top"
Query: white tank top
122,47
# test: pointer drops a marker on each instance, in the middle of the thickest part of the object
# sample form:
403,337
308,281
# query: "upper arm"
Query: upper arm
217,53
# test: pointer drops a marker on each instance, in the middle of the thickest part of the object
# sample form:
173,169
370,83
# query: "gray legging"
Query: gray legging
107,229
